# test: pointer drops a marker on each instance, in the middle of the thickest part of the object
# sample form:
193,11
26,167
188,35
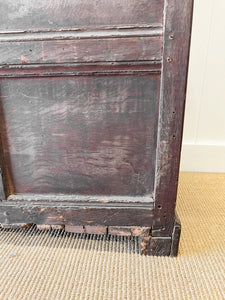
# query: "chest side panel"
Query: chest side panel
91,105
79,112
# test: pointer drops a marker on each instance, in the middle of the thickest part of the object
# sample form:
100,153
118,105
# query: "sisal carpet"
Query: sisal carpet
57,265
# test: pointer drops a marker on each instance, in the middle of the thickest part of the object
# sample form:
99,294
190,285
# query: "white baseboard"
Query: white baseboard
203,158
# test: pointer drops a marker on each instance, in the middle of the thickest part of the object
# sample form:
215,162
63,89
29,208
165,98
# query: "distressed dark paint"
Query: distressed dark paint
160,246
81,69
52,14
84,135
87,112
178,21
86,50
70,213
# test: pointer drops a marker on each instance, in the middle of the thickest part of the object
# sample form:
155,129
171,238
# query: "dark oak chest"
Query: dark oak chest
91,101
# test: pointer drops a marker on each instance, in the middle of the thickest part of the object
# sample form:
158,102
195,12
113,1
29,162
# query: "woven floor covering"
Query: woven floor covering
57,265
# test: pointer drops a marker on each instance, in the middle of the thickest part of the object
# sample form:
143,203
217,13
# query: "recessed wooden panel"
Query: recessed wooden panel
42,14
86,50
80,135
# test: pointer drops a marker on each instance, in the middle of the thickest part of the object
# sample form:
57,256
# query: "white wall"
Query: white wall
204,128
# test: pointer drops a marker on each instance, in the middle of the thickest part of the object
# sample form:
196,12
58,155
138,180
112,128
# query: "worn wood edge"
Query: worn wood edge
2,190
136,64
81,34
175,236
177,31
155,246
88,229
31,74
129,230
162,246
76,214
4,184
57,205
151,26
49,227
149,245
81,69
16,225
80,199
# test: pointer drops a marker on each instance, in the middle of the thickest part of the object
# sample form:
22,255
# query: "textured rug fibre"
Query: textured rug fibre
57,265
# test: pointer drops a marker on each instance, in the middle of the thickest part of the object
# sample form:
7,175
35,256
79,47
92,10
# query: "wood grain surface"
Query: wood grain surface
177,34
42,14
92,99
84,50
81,69
84,135
47,213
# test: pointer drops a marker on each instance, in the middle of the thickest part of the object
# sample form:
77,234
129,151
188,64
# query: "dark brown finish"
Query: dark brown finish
75,213
177,32
175,236
162,245
82,50
84,69
91,103
80,135
159,246
23,15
